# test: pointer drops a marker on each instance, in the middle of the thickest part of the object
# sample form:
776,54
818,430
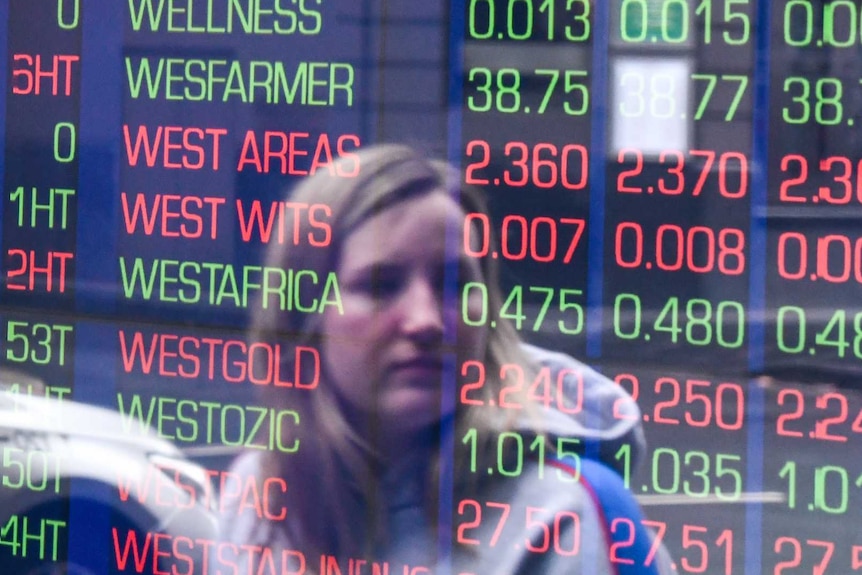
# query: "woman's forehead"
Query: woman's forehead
411,228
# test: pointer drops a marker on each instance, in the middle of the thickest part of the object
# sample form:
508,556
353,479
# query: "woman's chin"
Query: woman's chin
412,409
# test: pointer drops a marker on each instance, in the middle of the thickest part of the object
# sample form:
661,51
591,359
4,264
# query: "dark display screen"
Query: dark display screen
673,190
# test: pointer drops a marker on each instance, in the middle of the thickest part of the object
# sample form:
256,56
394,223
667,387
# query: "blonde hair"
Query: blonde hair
333,477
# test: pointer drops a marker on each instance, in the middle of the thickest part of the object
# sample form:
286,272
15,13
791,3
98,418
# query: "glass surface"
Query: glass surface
469,287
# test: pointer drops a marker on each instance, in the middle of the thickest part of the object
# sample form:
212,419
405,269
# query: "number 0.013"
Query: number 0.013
671,21
566,20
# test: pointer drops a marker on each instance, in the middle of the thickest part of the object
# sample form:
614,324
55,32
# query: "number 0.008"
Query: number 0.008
701,323
677,248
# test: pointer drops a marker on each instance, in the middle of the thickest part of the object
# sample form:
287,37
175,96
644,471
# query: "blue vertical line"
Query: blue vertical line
757,235
99,155
4,73
382,64
456,81
98,134
756,288
365,109
90,517
754,477
596,227
454,99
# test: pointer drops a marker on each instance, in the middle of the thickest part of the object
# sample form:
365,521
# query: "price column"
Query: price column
677,251
40,180
814,268
678,182
40,189
813,275
525,137
677,477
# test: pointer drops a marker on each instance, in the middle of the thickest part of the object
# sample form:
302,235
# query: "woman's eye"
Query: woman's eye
386,282
387,286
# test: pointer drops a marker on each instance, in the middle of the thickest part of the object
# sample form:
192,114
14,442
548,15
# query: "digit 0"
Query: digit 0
65,136
65,20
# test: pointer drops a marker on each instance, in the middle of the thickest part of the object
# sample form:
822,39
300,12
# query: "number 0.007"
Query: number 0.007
538,237
702,325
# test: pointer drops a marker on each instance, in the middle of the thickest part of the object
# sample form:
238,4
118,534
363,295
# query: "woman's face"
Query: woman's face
384,354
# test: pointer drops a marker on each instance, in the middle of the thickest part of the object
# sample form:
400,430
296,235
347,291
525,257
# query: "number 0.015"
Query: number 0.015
676,23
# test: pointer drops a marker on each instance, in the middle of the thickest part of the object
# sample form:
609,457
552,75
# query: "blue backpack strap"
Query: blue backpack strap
617,503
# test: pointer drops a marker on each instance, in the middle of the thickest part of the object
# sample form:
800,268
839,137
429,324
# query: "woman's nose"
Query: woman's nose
422,309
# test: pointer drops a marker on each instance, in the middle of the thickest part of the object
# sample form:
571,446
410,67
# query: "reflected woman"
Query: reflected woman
392,472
